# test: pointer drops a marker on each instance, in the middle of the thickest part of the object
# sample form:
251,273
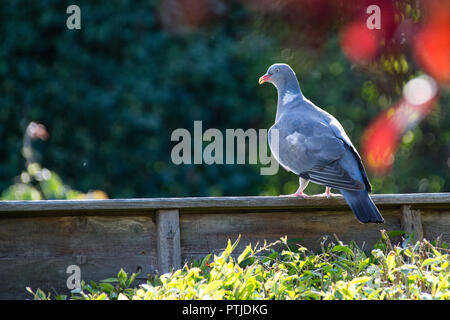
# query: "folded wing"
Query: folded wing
312,150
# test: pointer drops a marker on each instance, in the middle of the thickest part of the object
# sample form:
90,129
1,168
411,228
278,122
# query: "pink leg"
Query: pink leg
299,192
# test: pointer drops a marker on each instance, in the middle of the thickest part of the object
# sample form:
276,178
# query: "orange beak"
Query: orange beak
264,78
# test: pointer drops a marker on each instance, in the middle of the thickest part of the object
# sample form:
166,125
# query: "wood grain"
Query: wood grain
194,204
411,222
436,224
204,233
36,252
168,240
40,239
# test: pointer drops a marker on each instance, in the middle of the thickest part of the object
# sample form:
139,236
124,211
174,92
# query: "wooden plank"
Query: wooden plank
38,240
411,222
168,240
203,233
436,223
36,252
194,204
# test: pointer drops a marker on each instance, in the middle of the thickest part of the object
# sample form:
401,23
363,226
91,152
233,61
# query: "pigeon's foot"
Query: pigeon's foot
296,194
328,194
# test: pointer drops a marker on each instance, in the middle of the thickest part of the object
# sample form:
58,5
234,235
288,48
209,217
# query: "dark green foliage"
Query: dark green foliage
111,94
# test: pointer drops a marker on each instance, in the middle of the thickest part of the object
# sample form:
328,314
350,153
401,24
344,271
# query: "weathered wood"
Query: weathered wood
195,204
411,222
203,233
168,240
36,252
436,223
40,239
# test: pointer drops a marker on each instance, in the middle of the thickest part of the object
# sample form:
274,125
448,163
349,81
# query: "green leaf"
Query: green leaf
429,261
345,249
109,280
395,233
40,295
131,279
390,262
102,296
212,286
122,276
244,254
360,280
205,261
109,288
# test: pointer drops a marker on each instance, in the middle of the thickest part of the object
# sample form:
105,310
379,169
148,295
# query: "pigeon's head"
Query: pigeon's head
278,74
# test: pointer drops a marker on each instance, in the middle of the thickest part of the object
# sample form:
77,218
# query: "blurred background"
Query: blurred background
89,113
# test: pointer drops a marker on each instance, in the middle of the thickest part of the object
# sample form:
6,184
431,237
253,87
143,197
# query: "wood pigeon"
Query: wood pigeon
311,143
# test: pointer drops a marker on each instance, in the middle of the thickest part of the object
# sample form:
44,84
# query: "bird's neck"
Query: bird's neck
287,93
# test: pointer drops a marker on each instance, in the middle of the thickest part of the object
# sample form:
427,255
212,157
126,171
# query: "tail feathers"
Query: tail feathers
362,206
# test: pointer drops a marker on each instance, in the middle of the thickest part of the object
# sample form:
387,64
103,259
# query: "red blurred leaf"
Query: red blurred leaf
380,141
381,138
432,44
359,44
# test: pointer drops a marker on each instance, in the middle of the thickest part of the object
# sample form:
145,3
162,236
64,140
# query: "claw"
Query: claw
296,194
328,193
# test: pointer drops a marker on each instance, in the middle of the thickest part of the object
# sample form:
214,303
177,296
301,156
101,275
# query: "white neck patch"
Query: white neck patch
288,97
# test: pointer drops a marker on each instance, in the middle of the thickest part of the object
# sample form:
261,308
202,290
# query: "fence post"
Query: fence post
411,221
168,240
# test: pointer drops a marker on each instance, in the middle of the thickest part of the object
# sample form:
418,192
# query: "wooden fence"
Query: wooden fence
40,239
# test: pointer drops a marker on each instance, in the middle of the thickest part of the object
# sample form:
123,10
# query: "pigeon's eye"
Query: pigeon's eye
277,70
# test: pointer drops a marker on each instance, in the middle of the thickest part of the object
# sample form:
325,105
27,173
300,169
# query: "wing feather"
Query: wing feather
310,148
333,175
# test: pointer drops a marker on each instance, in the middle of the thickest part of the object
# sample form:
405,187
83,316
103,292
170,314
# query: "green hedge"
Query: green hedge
410,271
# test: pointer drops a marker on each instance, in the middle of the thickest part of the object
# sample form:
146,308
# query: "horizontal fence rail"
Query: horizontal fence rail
197,203
39,240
